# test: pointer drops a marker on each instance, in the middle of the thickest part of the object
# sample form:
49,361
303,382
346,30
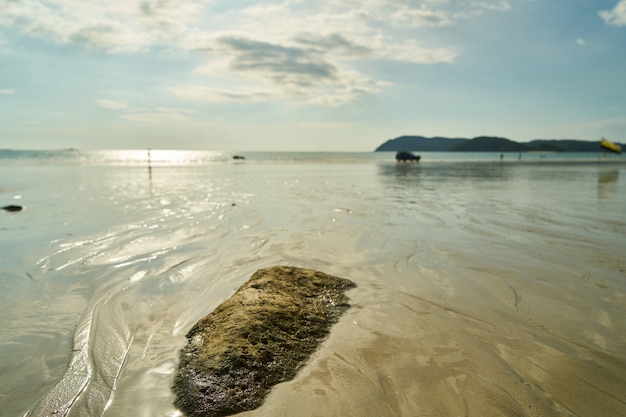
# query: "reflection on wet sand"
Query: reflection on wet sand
447,170
493,289
607,183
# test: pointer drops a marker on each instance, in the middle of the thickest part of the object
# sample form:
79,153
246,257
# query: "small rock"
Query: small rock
12,207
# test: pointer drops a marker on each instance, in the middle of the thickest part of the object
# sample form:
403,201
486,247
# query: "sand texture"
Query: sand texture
256,339
483,288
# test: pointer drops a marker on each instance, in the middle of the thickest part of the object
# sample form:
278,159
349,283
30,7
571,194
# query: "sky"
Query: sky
303,75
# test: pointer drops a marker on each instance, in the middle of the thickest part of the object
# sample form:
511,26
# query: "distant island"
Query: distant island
487,144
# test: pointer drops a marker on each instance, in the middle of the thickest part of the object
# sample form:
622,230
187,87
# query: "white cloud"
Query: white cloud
132,25
206,94
311,66
281,49
7,91
114,26
152,115
111,104
615,17
345,88
581,41
422,17
157,115
413,51
492,5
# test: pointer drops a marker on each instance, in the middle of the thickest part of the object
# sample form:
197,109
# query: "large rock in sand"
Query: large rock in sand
256,339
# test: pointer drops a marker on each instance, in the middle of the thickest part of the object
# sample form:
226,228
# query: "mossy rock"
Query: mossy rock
256,339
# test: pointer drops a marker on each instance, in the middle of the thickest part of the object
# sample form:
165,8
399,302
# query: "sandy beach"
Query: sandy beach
483,288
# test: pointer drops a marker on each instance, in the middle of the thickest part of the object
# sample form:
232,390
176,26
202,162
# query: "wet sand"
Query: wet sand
482,289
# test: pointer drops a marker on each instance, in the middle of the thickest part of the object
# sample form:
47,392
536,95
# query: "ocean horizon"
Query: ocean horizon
195,156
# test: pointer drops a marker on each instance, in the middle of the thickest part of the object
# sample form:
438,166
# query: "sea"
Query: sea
488,284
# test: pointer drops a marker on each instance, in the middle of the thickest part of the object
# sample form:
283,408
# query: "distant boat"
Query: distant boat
613,147
404,156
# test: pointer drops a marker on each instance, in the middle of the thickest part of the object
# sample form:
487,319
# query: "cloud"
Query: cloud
157,115
581,41
280,51
316,68
154,115
332,43
347,87
282,64
115,27
111,104
314,52
422,17
615,17
492,5
135,25
202,93
249,70
7,91
413,51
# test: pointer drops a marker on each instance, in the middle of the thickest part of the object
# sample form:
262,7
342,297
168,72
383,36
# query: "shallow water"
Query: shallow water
484,288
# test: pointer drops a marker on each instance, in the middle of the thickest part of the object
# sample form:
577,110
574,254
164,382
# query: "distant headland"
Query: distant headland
486,144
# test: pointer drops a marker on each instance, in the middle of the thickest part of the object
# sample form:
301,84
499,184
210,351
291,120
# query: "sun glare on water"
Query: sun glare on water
162,156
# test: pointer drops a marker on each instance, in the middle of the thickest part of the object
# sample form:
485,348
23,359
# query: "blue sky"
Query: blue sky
307,75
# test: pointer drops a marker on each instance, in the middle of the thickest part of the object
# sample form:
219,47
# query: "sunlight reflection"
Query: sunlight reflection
157,156
178,156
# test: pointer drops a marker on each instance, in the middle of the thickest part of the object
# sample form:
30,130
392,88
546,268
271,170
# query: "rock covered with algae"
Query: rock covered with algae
256,339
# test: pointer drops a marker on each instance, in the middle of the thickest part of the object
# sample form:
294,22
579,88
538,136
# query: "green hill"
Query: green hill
489,144
486,144
419,143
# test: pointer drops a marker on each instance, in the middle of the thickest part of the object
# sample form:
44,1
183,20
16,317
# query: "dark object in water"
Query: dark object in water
239,157
256,339
404,156
12,207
